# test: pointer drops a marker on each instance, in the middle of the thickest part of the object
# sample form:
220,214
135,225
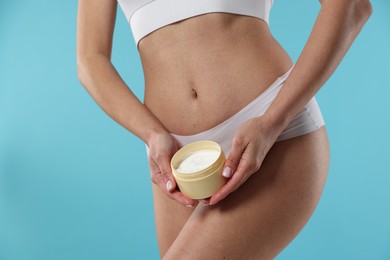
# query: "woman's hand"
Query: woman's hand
251,143
162,147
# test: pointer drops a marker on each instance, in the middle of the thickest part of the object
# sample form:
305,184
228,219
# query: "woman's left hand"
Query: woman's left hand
251,143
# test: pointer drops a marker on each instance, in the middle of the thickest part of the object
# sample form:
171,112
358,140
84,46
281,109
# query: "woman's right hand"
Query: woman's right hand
162,147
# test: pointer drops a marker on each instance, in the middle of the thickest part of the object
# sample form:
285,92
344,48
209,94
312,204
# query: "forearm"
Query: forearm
110,92
336,27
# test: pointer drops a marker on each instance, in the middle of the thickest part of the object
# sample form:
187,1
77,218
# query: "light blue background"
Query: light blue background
74,184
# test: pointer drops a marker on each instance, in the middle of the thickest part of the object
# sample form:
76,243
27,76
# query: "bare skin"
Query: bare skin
224,63
220,62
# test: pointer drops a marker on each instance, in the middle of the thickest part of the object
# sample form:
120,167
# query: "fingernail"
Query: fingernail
227,172
189,206
169,185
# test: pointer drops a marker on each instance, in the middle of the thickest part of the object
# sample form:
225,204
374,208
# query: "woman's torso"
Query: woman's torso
202,70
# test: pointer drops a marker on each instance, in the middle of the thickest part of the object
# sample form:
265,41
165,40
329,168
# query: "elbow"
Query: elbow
89,65
84,67
81,69
364,9
356,11
361,10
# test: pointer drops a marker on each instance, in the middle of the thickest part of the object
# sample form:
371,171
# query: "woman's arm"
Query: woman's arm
336,27
95,26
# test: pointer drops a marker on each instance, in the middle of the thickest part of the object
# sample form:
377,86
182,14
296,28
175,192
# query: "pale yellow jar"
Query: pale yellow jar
202,182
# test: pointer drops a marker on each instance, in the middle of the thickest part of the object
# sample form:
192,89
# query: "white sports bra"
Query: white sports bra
146,16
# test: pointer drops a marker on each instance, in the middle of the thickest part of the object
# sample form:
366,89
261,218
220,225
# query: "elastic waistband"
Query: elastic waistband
272,87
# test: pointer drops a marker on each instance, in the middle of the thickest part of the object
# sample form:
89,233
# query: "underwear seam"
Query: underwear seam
305,109
311,115
136,10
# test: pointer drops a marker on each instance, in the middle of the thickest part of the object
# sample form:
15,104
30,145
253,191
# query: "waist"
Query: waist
193,108
197,83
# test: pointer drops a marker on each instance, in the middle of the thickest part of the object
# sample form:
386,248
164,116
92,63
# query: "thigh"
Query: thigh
260,218
170,217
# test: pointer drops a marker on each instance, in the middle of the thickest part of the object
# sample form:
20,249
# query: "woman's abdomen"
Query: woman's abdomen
201,78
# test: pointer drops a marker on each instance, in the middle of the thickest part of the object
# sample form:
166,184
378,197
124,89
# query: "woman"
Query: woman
214,71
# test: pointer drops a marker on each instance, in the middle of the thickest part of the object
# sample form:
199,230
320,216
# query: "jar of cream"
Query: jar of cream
197,168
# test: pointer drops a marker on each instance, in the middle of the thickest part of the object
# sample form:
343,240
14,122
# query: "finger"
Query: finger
157,178
233,182
154,171
233,159
174,194
255,168
163,163
177,196
181,198
246,166
168,182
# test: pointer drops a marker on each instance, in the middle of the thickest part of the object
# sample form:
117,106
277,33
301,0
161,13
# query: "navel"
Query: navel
194,94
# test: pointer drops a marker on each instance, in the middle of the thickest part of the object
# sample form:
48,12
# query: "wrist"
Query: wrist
276,122
154,131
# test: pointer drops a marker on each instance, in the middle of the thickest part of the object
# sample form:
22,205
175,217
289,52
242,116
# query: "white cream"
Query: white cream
197,161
